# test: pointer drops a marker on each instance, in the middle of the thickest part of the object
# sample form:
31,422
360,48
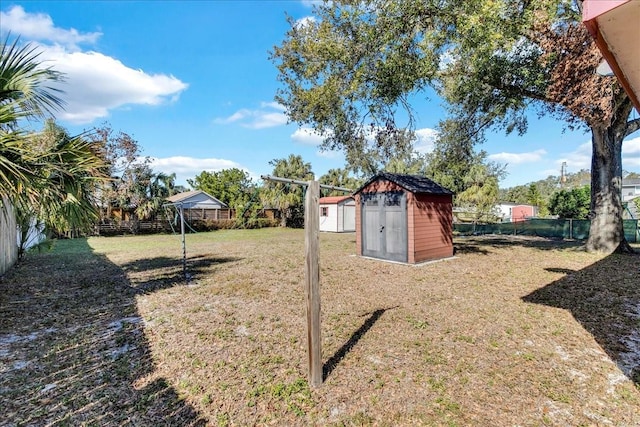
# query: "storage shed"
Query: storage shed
337,214
405,218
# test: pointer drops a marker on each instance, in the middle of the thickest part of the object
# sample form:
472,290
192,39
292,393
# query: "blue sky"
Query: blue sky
192,83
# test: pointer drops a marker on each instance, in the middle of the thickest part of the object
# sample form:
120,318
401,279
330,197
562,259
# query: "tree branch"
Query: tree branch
517,90
632,126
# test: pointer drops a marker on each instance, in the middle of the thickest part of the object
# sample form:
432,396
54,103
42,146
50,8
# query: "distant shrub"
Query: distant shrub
227,224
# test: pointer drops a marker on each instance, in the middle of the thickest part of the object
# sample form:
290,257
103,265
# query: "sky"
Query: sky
192,82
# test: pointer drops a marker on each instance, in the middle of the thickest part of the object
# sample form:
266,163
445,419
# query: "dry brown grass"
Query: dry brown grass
513,331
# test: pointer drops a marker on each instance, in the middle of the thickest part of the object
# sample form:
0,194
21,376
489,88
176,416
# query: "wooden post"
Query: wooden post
312,281
184,244
312,270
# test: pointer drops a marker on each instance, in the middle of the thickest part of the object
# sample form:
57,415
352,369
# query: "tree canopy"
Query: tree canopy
572,203
233,187
350,71
133,184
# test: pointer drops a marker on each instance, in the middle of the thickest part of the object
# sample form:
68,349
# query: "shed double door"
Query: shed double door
384,225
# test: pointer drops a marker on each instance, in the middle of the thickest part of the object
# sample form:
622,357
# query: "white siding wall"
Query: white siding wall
329,222
335,220
630,192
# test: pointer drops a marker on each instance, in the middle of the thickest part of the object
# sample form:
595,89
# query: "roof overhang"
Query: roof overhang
615,26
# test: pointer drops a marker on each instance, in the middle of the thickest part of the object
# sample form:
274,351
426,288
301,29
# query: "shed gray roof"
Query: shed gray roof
413,183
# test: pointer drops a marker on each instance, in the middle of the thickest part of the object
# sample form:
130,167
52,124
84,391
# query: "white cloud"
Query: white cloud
580,158
188,167
425,140
307,136
518,158
40,27
631,154
274,105
270,114
330,154
94,83
304,22
268,120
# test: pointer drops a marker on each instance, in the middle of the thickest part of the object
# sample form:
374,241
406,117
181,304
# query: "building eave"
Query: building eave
614,26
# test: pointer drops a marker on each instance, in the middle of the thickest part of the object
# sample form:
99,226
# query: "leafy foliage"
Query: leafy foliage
134,185
454,158
48,176
572,203
288,198
539,193
27,87
339,178
233,187
481,193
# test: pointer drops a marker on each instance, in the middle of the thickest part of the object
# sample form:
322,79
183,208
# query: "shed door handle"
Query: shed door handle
381,228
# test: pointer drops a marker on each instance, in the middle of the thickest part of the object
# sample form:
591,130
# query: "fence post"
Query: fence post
571,228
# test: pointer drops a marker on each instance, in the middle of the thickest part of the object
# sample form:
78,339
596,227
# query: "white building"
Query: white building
337,214
630,189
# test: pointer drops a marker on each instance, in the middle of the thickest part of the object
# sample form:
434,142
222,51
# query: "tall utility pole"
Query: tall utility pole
563,174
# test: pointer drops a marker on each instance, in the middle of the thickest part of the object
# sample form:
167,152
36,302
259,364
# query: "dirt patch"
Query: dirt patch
511,332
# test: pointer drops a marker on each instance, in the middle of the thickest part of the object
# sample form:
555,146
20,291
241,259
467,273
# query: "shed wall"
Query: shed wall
329,222
521,212
430,225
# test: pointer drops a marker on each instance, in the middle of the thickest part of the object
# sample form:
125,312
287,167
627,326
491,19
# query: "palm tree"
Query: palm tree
158,187
339,178
48,175
288,199
25,93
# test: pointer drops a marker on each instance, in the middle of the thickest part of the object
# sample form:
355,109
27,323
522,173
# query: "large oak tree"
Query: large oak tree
357,64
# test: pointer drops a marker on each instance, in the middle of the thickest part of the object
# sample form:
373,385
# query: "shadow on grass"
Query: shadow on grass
483,244
605,298
73,349
153,274
337,357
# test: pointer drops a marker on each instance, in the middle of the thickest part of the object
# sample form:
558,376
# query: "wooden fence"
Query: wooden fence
8,236
132,227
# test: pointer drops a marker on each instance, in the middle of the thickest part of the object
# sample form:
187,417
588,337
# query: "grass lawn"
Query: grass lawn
512,331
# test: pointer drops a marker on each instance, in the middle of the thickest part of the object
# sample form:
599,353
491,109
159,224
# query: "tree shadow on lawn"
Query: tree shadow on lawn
340,354
73,349
153,274
483,244
605,298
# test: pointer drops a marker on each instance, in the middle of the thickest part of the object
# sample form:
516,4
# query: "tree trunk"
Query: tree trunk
606,233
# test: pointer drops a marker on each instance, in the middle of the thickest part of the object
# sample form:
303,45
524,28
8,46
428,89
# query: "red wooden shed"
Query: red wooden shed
404,218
